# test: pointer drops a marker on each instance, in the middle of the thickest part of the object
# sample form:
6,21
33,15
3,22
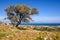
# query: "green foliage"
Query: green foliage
47,28
34,11
3,34
39,38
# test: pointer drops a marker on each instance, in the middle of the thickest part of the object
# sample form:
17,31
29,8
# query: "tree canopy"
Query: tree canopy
20,13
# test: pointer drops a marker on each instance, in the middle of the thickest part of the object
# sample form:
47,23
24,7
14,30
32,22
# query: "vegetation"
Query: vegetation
39,38
8,32
20,13
47,28
39,28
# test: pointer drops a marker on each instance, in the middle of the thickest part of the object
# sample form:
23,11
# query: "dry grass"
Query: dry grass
8,32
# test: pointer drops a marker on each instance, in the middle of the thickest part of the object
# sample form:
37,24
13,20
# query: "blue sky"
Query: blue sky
49,10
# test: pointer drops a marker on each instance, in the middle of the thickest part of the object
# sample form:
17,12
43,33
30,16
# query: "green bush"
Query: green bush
39,38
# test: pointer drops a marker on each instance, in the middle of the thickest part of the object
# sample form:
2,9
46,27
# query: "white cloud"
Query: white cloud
39,19
2,19
47,19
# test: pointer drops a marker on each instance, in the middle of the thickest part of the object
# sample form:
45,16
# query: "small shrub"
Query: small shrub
39,38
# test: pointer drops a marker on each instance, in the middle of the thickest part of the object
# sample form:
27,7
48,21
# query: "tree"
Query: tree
20,13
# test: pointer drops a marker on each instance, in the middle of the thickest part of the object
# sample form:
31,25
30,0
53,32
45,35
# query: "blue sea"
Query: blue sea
42,24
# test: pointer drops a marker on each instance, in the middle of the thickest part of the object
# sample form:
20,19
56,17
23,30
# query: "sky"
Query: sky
49,10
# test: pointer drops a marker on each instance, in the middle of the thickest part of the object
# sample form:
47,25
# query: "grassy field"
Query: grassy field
8,32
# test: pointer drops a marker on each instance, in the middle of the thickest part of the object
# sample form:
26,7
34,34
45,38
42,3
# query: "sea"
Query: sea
42,24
